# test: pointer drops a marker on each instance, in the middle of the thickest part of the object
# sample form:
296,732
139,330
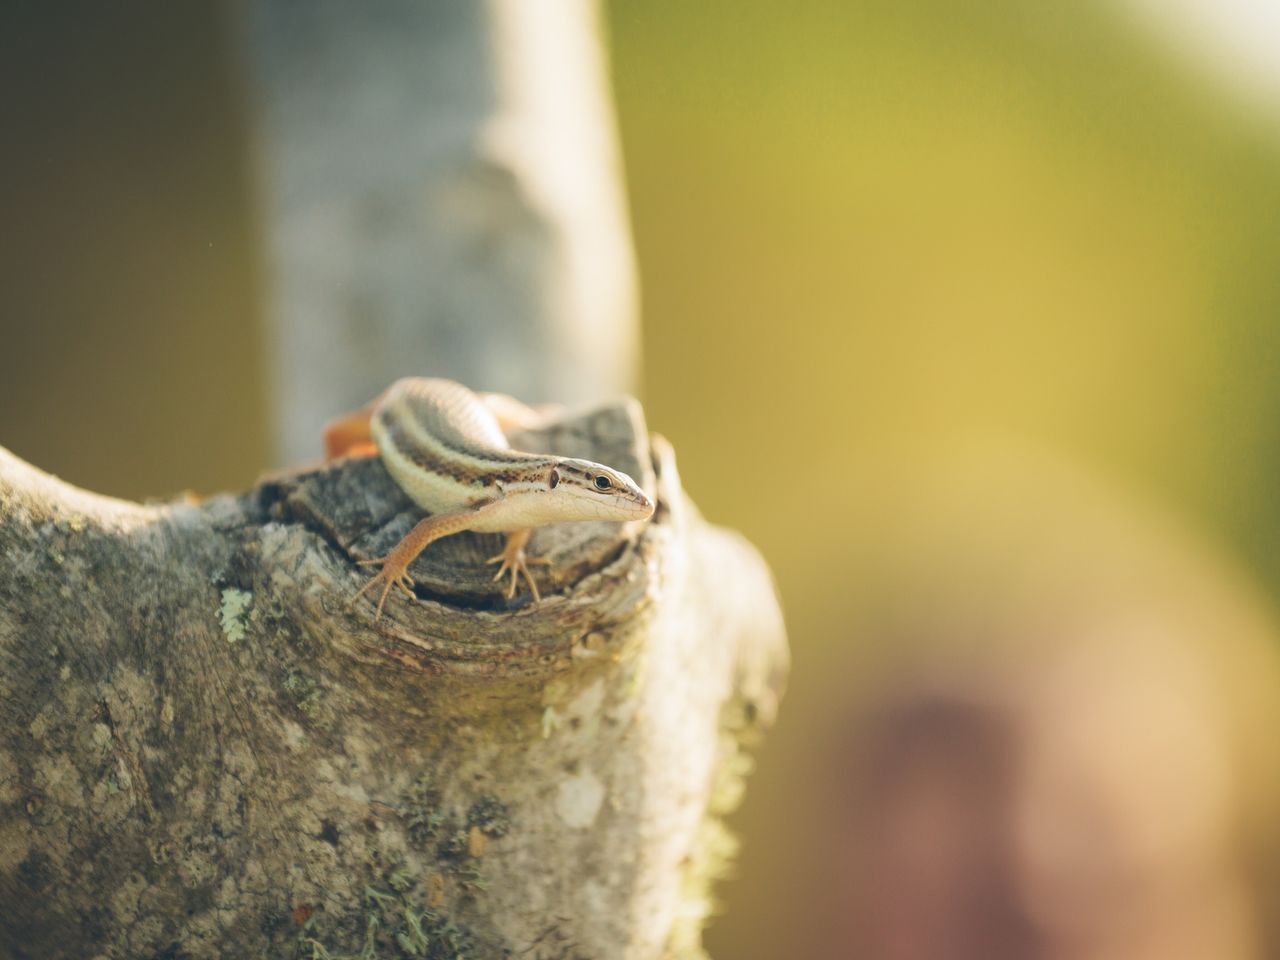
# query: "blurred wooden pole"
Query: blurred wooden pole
440,195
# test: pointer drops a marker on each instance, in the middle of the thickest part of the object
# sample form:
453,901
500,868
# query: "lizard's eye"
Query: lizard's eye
602,483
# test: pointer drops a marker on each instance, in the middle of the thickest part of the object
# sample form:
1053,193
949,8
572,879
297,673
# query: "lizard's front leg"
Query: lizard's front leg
514,560
395,565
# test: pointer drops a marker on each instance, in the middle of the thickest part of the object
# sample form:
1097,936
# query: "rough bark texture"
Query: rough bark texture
205,753
440,196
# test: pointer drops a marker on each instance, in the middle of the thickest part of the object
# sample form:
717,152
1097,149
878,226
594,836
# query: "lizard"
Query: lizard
446,447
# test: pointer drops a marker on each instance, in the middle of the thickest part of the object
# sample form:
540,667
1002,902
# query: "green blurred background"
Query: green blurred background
875,235
871,236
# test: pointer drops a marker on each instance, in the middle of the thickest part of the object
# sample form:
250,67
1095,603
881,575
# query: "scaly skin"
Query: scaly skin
445,447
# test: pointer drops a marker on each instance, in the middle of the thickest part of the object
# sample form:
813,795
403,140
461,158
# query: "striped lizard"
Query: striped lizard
447,449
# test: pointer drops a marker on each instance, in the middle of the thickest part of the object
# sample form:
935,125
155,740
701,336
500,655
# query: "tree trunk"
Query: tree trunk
440,197
204,752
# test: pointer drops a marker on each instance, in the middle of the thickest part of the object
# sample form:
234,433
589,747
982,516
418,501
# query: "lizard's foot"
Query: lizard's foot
513,560
392,574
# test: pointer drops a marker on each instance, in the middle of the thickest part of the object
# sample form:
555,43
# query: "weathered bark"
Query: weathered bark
205,753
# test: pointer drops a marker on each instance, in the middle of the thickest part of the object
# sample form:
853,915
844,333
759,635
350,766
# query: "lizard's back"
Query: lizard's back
441,444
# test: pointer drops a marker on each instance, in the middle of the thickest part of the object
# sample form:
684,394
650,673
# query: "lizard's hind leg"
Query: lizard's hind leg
349,435
513,415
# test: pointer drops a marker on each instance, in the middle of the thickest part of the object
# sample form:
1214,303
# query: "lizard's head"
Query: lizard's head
598,492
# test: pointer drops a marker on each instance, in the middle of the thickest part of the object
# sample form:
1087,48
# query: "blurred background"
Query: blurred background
968,315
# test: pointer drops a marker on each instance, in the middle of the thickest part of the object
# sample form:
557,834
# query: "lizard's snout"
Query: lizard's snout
641,506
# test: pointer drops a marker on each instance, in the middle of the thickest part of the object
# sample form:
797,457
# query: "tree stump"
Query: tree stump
206,752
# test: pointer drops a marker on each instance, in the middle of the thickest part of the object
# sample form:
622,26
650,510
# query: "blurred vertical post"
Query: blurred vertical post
440,194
